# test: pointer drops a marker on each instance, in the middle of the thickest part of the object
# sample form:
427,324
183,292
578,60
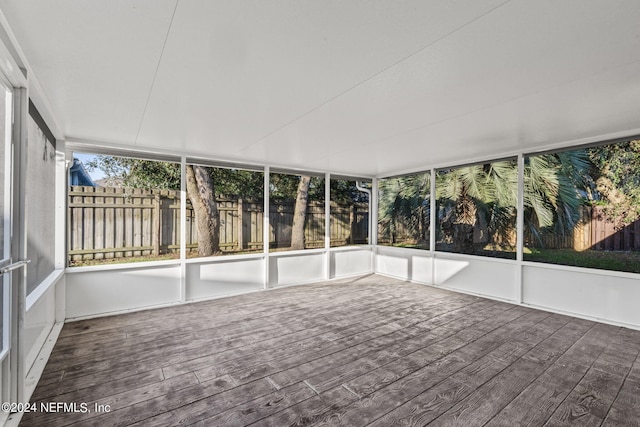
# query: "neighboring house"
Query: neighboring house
78,175
112,182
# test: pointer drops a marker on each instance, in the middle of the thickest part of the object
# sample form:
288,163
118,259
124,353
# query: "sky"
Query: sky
85,158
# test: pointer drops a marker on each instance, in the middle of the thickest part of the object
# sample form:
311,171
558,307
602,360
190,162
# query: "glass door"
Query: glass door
7,267
5,212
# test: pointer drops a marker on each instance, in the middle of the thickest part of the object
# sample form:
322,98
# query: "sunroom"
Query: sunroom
312,213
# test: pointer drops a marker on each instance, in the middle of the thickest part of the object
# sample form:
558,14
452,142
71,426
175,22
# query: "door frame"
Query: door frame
13,281
18,245
6,383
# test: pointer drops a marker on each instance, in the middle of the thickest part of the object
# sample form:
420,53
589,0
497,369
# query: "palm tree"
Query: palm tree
404,209
555,187
481,196
481,199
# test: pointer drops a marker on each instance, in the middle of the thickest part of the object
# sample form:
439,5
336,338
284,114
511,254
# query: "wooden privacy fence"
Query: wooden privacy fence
108,222
595,230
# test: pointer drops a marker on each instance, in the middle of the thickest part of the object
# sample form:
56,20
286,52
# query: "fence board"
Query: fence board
76,228
118,222
99,222
109,223
120,231
596,231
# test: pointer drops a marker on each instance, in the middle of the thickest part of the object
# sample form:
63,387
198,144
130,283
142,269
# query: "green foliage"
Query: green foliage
284,186
151,174
617,177
404,208
248,184
485,196
555,188
617,261
345,192
137,173
482,197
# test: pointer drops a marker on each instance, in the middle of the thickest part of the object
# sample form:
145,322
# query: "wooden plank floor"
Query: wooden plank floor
366,351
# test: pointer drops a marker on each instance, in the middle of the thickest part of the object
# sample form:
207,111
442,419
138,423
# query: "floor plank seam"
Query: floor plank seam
542,373
604,419
567,396
399,341
453,373
570,392
302,338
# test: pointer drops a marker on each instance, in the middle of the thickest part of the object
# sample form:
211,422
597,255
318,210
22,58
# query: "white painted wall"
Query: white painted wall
597,294
38,322
492,277
94,291
600,295
223,277
407,264
42,324
91,292
290,268
350,261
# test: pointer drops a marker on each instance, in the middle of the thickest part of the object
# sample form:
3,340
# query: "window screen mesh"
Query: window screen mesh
40,205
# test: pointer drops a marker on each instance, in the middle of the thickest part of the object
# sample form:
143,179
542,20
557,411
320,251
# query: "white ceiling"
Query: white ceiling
356,87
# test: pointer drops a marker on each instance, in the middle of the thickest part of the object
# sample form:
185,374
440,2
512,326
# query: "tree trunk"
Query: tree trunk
300,213
463,225
201,192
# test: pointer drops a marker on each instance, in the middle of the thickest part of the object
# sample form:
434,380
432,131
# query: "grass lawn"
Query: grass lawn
148,258
605,260
122,260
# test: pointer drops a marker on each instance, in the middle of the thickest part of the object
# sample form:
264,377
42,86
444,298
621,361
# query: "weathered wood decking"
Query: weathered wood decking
367,351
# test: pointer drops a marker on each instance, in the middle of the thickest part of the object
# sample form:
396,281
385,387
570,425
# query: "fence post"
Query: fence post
352,224
240,225
156,224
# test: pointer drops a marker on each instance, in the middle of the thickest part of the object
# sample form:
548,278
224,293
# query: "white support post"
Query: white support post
520,228
183,229
60,212
266,235
373,223
327,225
432,212
432,224
60,218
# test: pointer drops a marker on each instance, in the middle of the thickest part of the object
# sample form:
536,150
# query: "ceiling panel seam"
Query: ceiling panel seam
155,74
385,69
